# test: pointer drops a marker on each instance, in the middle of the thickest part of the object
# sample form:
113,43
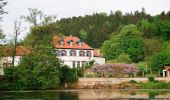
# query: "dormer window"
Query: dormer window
79,42
71,42
62,42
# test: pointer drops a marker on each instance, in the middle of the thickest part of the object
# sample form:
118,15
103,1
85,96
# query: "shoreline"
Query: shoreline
76,90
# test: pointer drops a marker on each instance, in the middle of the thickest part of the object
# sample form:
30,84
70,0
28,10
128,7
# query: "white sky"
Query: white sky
69,8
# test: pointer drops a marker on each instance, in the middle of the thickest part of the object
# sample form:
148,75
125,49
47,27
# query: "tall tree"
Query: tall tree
2,11
37,17
83,34
33,17
17,31
129,41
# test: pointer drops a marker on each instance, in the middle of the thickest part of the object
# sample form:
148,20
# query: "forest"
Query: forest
134,37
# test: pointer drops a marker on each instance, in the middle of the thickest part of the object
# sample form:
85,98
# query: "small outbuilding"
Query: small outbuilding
166,71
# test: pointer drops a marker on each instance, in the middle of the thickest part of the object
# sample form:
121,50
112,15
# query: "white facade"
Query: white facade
166,73
99,60
7,61
76,60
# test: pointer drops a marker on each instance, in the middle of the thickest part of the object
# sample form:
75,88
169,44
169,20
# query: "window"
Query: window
62,42
57,52
74,64
63,53
83,63
81,53
5,65
71,43
78,64
79,43
72,53
88,53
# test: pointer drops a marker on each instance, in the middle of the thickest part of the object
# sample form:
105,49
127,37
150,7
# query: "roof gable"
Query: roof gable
20,51
74,40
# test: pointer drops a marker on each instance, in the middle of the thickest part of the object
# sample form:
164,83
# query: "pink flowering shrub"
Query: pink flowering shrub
115,69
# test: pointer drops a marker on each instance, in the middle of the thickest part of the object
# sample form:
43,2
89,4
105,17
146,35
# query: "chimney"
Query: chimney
98,52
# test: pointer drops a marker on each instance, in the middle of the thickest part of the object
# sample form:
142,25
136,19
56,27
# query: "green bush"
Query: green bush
133,81
39,70
151,79
80,72
68,75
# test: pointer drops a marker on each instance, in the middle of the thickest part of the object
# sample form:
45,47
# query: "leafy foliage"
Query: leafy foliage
68,75
159,60
39,70
2,11
152,46
151,79
128,41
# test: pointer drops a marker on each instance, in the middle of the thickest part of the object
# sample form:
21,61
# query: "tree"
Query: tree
128,40
143,68
67,75
2,11
17,31
124,58
2,36
151,46
164,29
37,17
33,17
150,30
83,34
38,70
160,59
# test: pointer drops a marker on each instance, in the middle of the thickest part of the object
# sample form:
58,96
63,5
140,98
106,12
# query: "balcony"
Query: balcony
75,58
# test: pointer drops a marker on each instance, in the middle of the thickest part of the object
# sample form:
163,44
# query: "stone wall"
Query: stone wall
109,82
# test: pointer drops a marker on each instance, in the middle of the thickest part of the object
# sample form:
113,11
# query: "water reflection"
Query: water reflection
91,94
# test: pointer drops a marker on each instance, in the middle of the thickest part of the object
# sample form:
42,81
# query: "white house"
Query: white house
75,53
98,57
166,71
6,61
71,50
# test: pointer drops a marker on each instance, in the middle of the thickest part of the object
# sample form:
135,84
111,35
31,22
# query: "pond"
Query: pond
86,94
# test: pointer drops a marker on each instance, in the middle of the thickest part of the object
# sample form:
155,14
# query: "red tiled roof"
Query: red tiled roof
167,67
74,46
20,51
96,53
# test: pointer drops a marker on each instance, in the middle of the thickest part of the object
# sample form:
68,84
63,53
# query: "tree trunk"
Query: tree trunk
159,73
135,74
143,73
14,49
150,72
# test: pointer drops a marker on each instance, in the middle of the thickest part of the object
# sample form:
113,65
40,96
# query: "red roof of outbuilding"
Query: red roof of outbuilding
97,53
20,51
75,44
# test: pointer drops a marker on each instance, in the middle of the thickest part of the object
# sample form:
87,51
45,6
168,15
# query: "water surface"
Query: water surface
86,94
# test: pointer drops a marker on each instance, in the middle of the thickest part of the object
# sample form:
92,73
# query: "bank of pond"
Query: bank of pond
101,83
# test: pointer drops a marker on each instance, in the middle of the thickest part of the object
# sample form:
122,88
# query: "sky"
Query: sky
70,8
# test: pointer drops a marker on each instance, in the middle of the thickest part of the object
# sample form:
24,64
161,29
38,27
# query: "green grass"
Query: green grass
155,85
